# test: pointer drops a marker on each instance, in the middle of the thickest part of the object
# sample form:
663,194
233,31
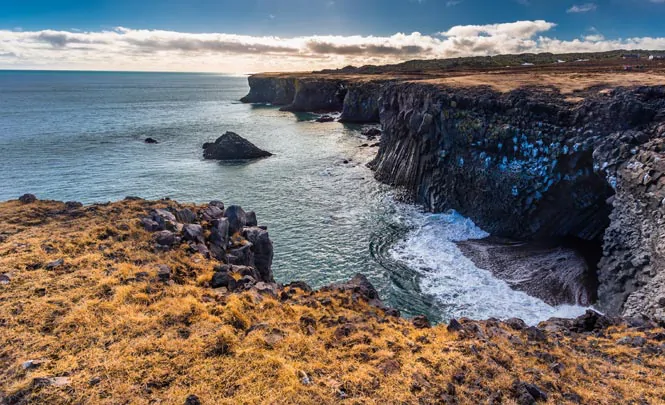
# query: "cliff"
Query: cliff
519,152
155,301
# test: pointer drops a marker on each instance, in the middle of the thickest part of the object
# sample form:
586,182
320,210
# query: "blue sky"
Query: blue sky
619,18
169,34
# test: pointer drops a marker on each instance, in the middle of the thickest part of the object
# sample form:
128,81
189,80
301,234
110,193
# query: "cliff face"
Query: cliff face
632,270
528,164
522,165
275,90
361,103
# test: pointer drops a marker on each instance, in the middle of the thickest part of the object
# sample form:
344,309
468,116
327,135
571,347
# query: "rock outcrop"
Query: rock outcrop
232,146
274,90
521,164
526,164
217,234
632,270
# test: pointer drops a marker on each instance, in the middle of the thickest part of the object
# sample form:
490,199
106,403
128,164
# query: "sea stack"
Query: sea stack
232,146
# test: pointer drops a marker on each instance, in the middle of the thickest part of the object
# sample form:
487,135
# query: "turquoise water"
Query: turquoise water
79,136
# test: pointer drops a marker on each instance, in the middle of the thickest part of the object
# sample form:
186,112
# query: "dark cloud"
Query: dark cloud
377,50
62,39
206,45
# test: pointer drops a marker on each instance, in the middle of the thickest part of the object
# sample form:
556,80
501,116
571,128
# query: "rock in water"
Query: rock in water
232,146
151,140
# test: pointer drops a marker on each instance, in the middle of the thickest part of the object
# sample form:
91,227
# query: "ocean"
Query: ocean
78,136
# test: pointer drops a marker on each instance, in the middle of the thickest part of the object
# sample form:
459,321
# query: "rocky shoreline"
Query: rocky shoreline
578,167
155,300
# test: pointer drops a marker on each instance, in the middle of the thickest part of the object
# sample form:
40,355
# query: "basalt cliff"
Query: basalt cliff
557,157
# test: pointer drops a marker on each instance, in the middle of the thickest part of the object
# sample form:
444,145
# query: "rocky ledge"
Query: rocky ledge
545,158
150,301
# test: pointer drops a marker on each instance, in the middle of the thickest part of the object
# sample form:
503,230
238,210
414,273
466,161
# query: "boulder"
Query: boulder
212,212
219,233
262,250
223,279
242,256
251,219
186,216
193,233
237,219
27,198
325,118
165,238
421,322
163,273
232,146
164,214
150,140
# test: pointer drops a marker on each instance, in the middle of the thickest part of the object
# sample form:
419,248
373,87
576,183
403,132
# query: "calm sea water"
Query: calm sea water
79,136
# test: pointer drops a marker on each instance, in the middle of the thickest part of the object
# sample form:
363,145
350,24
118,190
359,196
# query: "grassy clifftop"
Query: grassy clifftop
86,316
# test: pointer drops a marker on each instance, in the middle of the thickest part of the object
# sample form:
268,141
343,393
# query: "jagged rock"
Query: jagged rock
454,325
27,198
232,146
185,216
242,256
164,214
223,279
421,322
635,341
163,273
72,205
516,324
150,225
535,334
360,285
192,400
212,212
528,394
193,233
591,321
264,288
301,285
262,250
217,203
251,219
165,238
219,233
237,218
245,283
325,118
150,140
55,264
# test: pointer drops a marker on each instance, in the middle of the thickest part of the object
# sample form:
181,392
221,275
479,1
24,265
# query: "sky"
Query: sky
231,36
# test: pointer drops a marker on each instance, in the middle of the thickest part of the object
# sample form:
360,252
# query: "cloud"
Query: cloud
136,49
583,8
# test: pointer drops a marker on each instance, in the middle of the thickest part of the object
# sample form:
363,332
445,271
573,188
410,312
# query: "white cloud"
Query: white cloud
132,49
583,8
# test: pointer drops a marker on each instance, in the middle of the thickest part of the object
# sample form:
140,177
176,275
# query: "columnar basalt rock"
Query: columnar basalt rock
526,164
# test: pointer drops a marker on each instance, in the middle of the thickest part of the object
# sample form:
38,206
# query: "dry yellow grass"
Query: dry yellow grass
119,338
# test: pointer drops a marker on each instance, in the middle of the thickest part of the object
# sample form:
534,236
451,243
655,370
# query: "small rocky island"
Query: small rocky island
232,146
